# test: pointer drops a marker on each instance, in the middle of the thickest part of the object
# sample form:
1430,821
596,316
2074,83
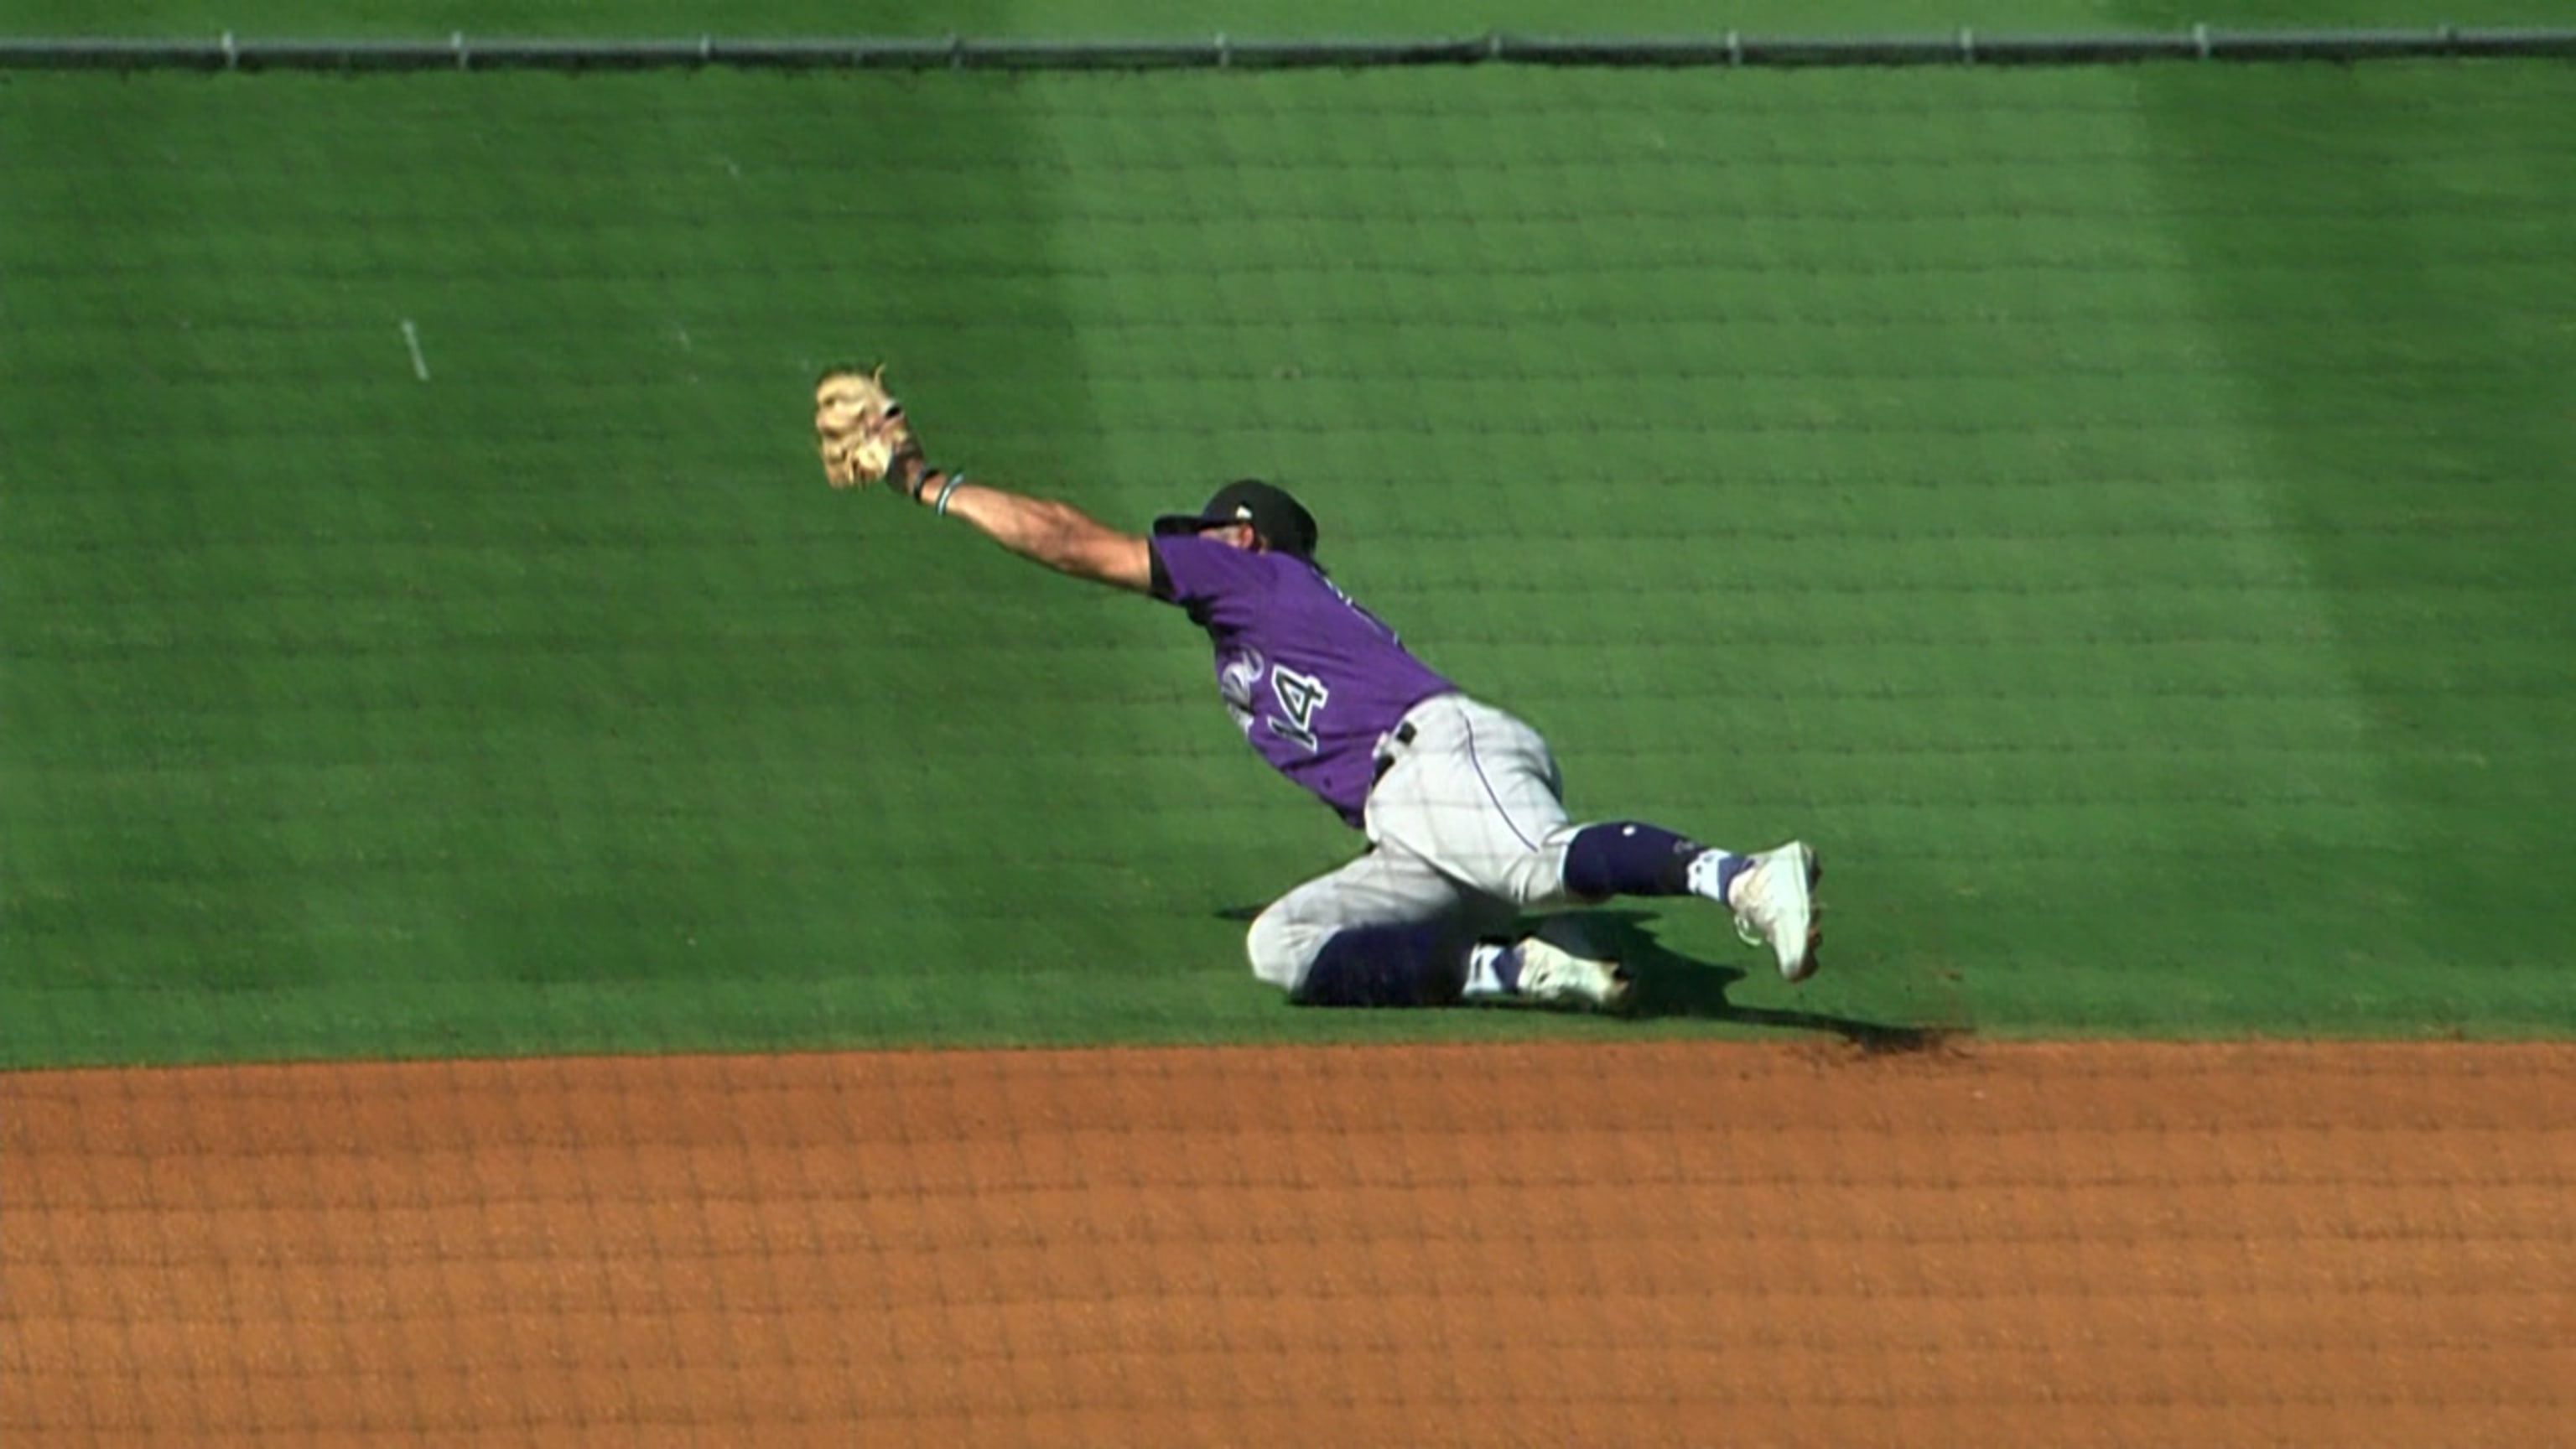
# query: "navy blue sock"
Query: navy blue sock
1418,965
1629,858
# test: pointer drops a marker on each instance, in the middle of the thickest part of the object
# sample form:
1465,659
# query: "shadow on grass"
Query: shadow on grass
1672,986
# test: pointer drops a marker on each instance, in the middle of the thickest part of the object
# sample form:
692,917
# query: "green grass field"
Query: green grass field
2123,515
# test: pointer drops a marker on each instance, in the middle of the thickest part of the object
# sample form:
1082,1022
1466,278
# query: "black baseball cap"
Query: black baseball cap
1282,521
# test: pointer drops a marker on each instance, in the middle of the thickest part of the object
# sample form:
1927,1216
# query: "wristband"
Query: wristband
914,481
940,508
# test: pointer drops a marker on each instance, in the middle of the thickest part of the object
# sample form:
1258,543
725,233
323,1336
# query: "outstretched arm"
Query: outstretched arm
1058,535
865,438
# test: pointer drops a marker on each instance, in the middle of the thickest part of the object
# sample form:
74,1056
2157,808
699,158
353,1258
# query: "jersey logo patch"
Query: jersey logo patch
1235,682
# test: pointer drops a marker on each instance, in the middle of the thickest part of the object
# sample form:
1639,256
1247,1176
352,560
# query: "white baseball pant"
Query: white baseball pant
1467,827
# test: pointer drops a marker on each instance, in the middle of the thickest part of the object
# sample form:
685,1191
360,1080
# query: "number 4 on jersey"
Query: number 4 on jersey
1300,696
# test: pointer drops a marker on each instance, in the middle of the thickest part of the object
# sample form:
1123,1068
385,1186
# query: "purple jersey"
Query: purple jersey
1313,679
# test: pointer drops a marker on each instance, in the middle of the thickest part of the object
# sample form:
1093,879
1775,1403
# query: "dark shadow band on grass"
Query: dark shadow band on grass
1670,986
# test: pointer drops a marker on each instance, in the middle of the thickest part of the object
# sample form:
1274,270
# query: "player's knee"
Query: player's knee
1535,879
1280,950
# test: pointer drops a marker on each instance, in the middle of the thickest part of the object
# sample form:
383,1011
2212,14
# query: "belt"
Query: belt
1403,735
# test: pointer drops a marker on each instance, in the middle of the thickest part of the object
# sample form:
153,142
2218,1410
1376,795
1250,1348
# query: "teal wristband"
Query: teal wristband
940,508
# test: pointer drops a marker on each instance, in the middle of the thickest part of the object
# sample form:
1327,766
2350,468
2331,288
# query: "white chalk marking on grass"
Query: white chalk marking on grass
411,339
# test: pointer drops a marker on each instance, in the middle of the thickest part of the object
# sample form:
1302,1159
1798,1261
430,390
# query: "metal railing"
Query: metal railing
228,52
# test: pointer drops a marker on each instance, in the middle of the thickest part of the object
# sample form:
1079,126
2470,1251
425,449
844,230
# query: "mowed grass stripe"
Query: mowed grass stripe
2405,336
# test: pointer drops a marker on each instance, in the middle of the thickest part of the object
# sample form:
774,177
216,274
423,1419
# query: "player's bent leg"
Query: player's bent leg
1771,892
1577,865
1478,796
1633,858
1384,930
1421,964
1389,930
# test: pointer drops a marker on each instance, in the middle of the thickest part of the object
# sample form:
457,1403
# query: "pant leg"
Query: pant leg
1477,796
1388,886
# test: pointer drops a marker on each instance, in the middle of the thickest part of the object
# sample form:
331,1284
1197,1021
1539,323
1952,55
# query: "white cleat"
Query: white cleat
1550,975
1775,906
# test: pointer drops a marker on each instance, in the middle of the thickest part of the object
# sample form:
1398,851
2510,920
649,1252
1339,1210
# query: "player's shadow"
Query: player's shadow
1670,985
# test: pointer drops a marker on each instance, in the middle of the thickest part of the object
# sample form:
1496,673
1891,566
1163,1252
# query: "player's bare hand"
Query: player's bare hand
861,432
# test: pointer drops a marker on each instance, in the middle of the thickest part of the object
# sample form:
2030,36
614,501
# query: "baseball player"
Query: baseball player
1461,802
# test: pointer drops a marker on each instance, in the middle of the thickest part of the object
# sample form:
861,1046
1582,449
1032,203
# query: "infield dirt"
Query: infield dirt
1544,1244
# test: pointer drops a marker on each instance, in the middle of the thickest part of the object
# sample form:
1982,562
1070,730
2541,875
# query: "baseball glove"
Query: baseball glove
861,432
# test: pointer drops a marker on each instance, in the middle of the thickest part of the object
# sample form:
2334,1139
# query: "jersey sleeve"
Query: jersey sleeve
1198,573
